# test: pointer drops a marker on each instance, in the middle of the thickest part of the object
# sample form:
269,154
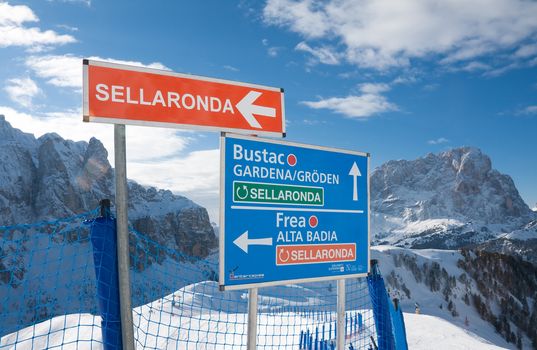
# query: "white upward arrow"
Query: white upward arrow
243,242
355,172
247,108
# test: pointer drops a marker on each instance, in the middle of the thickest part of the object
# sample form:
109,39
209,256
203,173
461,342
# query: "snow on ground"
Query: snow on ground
68,332
163,330
199,316
426,332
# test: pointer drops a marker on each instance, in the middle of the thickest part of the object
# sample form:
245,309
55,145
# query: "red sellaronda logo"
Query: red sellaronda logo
315,253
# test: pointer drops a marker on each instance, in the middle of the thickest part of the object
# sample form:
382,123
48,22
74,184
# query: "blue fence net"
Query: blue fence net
47,286
50,298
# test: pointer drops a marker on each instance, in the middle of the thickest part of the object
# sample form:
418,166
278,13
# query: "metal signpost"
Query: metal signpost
125,305
292,213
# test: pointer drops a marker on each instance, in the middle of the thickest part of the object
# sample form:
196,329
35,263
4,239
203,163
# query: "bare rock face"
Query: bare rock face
50,178
449,199
17,171
193,233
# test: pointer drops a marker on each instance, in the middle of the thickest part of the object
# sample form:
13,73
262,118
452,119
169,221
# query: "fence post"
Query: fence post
252,319
103,241
120,153
340,328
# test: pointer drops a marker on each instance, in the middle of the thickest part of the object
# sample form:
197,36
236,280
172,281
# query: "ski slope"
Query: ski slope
426,332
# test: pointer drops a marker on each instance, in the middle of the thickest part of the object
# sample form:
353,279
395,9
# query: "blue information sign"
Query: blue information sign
291,213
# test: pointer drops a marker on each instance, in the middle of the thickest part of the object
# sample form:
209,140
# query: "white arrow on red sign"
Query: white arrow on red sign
248,109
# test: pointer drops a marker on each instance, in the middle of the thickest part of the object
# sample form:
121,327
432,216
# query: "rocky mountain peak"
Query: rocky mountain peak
440,191
10,135
469,162
50,177
459,183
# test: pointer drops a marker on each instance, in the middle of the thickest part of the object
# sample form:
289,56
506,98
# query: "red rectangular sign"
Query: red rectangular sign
315,253
122,94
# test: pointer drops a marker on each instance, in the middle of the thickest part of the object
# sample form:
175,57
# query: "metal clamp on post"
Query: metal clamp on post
105,208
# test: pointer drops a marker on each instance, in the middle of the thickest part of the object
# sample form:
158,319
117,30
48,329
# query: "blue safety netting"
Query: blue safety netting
103,233
389,320
398,323
53,295
48,297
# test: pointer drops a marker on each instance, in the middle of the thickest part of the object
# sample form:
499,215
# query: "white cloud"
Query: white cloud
431,87
313,122
13,31
231,68
527,50
85,2
68,27
476,66
368,104
22,91
15,15
301,16
274,51
62,71
374,88
195,175
529,110
324,55
438,141
66,70
383,33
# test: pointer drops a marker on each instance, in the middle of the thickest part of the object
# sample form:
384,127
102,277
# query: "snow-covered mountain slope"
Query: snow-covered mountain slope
446,200
521,243
493,296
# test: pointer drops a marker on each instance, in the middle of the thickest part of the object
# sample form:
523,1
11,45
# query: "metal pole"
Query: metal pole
252,319
127,331
340,339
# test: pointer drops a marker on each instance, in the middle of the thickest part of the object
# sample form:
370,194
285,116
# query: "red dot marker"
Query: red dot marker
313,221
291,159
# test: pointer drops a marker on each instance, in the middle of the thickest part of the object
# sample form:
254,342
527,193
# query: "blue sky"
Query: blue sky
396,79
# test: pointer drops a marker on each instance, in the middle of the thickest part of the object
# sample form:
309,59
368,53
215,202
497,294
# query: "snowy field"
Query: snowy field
423,333
426,332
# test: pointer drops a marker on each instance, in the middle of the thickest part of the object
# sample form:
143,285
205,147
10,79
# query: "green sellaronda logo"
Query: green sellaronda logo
256,192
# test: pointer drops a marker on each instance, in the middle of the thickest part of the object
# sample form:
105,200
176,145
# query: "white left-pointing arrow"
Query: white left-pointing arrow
247,108
243,242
